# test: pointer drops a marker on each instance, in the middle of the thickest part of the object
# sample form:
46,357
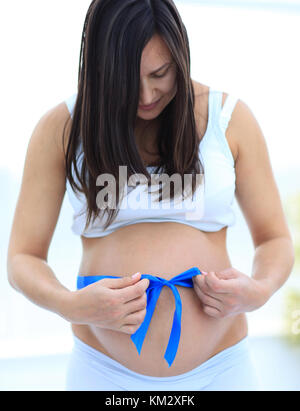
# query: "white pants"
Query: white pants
230,370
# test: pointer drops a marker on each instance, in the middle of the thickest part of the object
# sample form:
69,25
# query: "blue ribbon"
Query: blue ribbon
153,291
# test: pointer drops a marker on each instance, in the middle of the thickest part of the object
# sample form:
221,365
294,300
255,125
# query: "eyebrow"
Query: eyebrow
156,71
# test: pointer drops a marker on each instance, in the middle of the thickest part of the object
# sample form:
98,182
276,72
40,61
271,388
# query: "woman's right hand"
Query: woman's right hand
114,303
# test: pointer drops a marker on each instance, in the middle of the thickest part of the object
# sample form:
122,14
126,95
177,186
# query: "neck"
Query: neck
146,132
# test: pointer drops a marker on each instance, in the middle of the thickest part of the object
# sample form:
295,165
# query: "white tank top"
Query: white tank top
211,208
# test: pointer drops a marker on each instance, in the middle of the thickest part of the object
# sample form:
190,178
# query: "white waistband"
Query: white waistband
204,373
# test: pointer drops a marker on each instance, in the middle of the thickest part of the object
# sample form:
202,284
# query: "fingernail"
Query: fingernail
204,272
135,275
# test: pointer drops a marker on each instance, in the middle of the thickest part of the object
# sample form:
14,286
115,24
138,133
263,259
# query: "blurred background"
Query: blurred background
247,48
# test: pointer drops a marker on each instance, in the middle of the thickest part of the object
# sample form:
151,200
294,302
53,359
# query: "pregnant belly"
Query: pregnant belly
164,250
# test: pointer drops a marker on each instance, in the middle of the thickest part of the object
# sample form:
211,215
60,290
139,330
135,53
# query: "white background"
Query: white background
252,52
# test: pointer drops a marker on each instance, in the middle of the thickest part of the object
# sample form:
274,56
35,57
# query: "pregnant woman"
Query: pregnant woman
180,322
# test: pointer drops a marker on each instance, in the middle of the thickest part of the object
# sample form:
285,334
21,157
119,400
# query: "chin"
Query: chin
148,116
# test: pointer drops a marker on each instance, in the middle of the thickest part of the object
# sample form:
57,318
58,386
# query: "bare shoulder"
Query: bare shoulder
254,175
256,189
231,135
52,130
43,186
244,127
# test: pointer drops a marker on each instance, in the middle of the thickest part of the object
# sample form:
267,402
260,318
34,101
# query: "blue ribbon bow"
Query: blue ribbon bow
153,291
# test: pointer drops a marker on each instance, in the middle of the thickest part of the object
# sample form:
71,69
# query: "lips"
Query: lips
150,107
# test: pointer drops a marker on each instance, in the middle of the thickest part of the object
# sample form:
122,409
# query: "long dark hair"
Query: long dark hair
114,36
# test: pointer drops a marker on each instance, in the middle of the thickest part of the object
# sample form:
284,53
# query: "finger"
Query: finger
137,304
216,285
197,278
205,289
228,274
119,283
208,300
135,318
211,311
133,291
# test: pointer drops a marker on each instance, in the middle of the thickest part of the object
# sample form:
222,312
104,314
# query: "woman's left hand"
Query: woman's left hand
228,292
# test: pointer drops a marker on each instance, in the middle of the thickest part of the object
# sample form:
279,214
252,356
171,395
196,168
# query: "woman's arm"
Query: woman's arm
37,210
259,199
229,291
273,263
118,304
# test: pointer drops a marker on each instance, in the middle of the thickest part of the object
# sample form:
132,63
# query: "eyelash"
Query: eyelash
163,75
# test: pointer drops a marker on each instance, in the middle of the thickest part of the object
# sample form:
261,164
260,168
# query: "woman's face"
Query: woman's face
158,79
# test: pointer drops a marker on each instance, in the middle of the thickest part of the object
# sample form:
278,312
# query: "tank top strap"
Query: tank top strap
220,117
219,114
214,105
70,103
226,111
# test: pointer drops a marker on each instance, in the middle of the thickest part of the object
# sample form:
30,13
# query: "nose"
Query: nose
146,94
